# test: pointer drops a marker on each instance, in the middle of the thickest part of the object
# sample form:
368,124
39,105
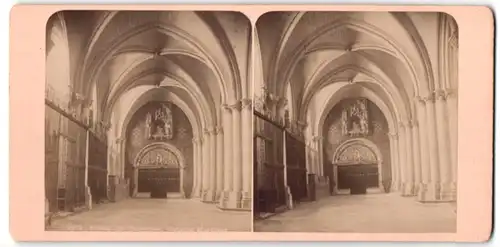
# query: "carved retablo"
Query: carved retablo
159,125
159,157
355,119
356,154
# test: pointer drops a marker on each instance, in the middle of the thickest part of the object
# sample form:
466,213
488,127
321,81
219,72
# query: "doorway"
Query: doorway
158,182
357,166
358,177
158,172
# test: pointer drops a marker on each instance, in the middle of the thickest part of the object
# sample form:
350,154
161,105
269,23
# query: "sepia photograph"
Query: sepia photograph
355,122
148,121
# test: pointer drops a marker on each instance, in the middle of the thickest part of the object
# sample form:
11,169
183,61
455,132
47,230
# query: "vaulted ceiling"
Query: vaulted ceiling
378,52
202,57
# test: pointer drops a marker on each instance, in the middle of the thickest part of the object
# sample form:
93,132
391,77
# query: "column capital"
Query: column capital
225,107
451,92
420,99
236,106
407,124
208,130
273,99
196,140
413,123
441,95
199,139
431,98
392,135
301,125
218,130
282,102
246,103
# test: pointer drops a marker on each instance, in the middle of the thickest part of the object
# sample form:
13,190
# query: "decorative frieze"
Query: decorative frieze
356,154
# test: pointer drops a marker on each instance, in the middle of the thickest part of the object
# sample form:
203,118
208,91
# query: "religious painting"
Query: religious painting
159,125
355,119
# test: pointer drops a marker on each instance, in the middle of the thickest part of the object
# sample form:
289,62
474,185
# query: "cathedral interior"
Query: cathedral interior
357,112
149,104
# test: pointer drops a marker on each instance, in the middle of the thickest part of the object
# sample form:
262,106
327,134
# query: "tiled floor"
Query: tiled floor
155,215
369,213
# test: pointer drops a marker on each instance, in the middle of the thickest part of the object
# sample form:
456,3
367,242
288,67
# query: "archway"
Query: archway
354,159
158,168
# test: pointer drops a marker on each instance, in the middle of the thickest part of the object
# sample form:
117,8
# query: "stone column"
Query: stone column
425,178
200,166
453,133
220,162
392,143
432,192
235,196
445,173
209,195
196,172
317,163
409,166
123,144
403,161
417,165
320,156
212,168
88,195
228,156
205,165
247,153
397,163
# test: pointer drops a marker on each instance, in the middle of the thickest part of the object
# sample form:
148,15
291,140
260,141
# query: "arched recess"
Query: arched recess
337,92
345,90
133,100
357,151
173,161
145,98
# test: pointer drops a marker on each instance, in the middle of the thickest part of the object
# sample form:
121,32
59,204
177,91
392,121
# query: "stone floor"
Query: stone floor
155,215
370,213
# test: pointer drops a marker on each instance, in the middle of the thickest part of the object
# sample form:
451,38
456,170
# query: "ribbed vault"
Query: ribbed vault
202,55
311,50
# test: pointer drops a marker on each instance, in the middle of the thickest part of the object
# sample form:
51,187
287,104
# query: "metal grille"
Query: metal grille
65,146
296,167
269,185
